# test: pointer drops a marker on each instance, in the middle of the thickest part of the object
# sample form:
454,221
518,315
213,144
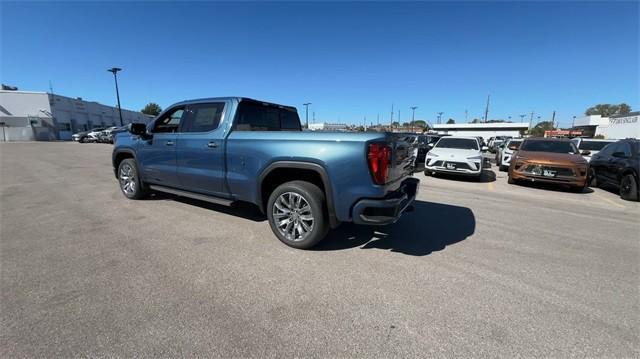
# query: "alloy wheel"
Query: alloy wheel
127,179
293,216
625,186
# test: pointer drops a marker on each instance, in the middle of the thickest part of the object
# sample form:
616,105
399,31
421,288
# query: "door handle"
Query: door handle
212,144
169,143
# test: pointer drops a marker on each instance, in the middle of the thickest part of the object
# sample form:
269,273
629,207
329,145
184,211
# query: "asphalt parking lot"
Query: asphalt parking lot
477,269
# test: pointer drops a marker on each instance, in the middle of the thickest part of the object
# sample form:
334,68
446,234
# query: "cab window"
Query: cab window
169,122
203,117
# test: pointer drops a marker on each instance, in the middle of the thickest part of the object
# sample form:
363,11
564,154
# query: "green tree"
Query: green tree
152,109
406,124
624,108
420,123
538,129
475,120
395,124
451,121
606,110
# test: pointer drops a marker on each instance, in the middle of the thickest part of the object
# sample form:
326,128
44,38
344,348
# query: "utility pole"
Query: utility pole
306,111
531,119
413,116
486,110
391,120
573,124
314,117
553,119
115,70
439,116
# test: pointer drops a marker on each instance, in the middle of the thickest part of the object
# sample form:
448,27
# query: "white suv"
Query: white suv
456,155
506,152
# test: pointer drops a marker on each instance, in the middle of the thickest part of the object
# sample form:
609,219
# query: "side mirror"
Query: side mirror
430,145
139,129
585,153
484,148
513,148
619,155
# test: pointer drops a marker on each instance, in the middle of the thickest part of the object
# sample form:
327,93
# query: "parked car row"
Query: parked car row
98,135
577,163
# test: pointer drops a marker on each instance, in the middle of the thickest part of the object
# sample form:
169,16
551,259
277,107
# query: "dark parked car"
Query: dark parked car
424,144
618,165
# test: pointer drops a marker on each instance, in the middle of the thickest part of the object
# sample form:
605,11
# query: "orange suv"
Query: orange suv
549,160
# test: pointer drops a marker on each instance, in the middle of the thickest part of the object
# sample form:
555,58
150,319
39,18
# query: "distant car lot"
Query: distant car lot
477,269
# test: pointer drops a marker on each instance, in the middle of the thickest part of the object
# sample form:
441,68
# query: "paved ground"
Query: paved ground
478,269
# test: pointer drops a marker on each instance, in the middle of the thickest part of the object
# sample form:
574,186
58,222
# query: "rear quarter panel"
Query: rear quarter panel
342,155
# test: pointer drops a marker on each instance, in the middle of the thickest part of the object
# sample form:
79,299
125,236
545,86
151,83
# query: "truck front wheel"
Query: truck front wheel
296,214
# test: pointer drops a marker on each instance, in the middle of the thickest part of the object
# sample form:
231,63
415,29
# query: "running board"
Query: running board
200,197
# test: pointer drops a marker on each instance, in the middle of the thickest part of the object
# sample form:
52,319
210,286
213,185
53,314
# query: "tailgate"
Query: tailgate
402,155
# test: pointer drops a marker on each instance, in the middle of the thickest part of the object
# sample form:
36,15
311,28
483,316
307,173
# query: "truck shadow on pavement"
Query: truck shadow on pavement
430,227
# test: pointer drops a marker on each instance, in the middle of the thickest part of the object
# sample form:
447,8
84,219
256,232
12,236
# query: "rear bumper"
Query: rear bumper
386,210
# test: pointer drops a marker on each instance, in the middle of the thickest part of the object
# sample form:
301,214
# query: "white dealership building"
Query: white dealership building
613,127
41,116
485,130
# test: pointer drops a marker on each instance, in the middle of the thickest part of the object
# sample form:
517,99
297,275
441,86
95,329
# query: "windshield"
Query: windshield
593,145
460,143
549,146
515,144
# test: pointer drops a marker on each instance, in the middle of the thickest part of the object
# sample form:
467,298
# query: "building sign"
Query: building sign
562,133
623,120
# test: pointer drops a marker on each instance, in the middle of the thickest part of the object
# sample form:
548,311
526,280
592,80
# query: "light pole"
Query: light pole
573,124
413,115
439,117
306,112
115,70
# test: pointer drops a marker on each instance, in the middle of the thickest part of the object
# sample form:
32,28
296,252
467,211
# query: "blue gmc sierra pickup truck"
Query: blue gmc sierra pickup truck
229,149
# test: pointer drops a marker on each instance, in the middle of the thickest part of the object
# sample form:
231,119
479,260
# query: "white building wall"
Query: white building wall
618,128
50,117
482,133
484,130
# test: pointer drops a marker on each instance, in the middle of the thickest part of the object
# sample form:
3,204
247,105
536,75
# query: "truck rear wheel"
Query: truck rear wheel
296,214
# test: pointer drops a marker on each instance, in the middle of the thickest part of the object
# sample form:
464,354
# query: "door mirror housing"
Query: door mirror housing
430,145
513,148
139,129
484,148
585,153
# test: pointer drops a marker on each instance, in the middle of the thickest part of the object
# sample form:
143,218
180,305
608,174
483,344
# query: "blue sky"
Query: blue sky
350,60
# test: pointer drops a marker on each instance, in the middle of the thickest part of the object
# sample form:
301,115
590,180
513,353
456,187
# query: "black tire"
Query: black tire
503,168
592,178
427,173
129,180
579,189
82,140
314,230
629,187
511,180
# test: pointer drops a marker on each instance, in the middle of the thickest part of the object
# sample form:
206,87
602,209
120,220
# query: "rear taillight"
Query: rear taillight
379,156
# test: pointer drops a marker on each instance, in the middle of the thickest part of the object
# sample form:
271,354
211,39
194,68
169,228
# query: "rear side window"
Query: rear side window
256,116
587,145
203,117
